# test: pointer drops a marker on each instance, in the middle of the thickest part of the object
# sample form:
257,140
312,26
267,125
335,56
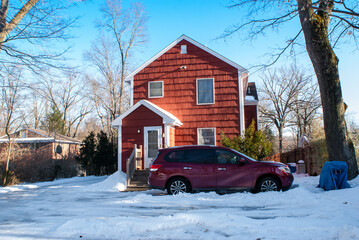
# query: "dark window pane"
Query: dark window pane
205,91
200,156
175,156
226,157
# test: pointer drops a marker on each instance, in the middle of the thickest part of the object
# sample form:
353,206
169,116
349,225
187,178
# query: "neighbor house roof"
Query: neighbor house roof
184,37
43,136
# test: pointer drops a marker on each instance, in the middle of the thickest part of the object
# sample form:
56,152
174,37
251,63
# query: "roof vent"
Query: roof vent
183,49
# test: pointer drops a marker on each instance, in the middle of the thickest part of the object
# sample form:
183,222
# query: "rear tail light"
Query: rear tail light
155,167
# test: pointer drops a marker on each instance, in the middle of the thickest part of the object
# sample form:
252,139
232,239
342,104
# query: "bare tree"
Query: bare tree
106,86
35,111
27,29
323,23
10,105
279,94
305,109
111,57
70,97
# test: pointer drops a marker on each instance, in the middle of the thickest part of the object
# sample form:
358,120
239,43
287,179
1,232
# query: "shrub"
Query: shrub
252,144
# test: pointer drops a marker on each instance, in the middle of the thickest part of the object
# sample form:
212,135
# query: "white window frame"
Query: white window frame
149,89
199,79
198,134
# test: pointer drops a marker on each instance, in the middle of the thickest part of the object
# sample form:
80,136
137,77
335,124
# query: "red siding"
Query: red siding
180,91
250,113
141,117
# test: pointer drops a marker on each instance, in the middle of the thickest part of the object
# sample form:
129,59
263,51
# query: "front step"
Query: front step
138,181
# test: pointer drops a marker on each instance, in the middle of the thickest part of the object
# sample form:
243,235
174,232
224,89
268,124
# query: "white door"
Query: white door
153,141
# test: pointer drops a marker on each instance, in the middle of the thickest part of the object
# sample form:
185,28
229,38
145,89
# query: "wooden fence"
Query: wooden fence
310,156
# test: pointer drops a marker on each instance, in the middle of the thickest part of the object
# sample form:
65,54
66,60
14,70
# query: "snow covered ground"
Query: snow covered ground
93,208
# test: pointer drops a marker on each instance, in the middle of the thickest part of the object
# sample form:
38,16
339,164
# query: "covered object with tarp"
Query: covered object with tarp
334,175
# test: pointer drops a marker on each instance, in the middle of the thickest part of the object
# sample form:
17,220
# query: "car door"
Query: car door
231,172
199,167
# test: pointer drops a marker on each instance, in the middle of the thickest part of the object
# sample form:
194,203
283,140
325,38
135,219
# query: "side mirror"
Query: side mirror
241,161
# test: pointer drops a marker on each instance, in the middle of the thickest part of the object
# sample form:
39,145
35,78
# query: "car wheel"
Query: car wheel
268,184
178,185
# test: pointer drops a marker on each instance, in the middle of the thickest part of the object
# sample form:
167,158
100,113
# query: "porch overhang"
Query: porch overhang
168,118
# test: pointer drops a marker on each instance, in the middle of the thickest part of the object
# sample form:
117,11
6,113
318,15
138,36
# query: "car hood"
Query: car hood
270,163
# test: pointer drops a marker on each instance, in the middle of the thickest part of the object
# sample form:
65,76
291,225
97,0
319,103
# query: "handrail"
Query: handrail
131,165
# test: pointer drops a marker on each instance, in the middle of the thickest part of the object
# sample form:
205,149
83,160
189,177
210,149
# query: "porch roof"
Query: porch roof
167,117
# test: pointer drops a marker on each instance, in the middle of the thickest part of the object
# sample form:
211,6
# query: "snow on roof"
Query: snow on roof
44,136
36,140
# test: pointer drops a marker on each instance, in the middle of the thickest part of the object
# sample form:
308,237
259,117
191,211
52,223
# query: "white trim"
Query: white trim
215,135
241,103
147,160
149,96
214,100
119,148
167,136
131,92
167,117
184,37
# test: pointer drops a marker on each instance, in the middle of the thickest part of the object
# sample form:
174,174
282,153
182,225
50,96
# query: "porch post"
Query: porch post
167,136
119,148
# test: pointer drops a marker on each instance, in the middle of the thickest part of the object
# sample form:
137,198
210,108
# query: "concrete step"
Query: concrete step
136,189
138,181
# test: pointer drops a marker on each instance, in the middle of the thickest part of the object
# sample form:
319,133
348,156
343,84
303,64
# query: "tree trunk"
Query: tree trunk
325,64
7,161
280,135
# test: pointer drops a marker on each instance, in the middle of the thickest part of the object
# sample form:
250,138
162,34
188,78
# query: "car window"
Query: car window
175,156
226,157
200,156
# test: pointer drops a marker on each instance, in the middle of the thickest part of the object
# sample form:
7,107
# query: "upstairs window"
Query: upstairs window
155,89
206,136
205,91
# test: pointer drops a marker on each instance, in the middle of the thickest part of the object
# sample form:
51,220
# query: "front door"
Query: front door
153,141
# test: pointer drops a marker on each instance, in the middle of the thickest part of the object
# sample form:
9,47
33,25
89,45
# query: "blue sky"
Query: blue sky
204,21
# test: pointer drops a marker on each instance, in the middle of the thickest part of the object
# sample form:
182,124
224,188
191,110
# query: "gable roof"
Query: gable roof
168,118
184,37
44,136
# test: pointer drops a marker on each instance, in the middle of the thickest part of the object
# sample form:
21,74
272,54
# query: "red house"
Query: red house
187,94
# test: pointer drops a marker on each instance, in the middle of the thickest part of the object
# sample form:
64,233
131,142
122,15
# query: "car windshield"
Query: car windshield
245,155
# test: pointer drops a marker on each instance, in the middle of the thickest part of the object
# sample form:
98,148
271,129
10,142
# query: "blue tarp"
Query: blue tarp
334,175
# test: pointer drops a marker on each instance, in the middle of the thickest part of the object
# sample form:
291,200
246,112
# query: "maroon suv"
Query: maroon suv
200,168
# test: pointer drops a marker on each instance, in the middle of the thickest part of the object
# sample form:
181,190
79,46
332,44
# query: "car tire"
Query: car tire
178,185
268,184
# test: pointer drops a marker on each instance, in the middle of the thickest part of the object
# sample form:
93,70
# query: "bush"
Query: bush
253,143
11,179
97,155
35,166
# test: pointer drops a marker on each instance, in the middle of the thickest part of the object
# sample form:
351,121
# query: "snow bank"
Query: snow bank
114,183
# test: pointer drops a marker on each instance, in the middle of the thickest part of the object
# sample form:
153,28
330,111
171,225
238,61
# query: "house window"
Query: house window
155,89
183,49
23,134
205,91
206,136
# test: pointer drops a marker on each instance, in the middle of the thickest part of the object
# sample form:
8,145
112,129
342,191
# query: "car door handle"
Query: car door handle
187,168
222,169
